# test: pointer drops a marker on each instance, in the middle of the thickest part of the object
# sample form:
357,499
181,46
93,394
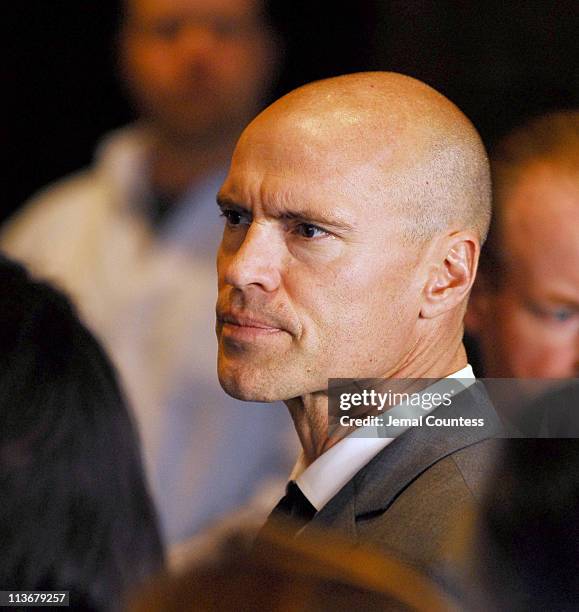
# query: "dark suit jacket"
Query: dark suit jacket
410,497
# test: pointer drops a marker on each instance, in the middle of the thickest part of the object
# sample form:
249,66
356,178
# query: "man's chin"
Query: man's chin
246,390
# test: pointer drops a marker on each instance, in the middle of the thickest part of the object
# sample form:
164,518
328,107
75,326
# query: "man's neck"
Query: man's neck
310,416
310,412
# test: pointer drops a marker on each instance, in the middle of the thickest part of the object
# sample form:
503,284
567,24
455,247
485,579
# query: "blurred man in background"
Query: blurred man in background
524,311
133,240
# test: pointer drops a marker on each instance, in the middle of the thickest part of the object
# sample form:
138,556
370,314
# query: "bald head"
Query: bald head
428,163
354,210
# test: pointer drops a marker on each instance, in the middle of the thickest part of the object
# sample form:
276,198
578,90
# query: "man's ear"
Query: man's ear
451,279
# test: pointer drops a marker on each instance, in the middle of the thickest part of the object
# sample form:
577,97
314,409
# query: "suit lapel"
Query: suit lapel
338,514
378,484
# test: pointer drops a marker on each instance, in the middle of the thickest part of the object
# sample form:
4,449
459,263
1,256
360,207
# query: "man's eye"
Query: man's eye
556,315
562,315
166,29
227,28
308,230
233,217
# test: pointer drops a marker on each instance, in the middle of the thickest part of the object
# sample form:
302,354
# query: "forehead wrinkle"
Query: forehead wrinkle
281,189
289,202
351,174
359,163
275,164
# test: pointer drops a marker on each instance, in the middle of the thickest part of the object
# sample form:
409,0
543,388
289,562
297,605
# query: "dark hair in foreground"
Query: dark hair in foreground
278,572
527,546
75,513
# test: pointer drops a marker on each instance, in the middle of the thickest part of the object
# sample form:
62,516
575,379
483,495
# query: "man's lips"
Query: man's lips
246,325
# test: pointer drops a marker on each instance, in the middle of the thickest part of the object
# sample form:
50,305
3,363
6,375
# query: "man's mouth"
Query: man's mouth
244,327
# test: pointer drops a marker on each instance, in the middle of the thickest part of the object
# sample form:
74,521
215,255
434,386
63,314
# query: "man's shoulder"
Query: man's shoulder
459,431
475,462
422,522
56,213
442,482
56,196
459,477
64,210
410,497
71,195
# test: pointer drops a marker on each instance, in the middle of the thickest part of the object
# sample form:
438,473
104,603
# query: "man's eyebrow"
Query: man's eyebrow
227,202
309,216
561,299
303,215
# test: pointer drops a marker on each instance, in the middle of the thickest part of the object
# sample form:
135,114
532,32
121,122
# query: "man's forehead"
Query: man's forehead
310,152
543,203
289,193
541,228
145,9
344,134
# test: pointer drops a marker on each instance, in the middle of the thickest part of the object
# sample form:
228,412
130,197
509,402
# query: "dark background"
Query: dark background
500,62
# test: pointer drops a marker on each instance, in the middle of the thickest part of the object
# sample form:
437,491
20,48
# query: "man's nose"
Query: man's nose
256,262
197,40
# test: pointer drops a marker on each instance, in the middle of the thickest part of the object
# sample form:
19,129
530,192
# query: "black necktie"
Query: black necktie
294,505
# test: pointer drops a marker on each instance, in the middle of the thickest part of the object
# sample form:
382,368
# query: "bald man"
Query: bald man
525,307
355,208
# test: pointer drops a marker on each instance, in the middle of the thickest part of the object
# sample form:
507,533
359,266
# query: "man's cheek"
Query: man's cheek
538,349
